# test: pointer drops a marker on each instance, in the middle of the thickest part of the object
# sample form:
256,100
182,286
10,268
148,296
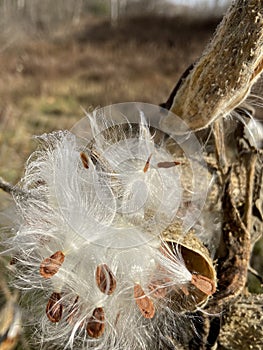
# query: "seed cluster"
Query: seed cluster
90,241
106,283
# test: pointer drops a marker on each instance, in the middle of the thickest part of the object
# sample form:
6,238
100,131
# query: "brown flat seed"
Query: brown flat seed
96,325
167,165
84,159
54,308
105,279
143,302
50,266
147,164
205,284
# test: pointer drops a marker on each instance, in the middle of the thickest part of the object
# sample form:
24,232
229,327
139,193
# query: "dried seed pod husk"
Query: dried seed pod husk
222,78
198,262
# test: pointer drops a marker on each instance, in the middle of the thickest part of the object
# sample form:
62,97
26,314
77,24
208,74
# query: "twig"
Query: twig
7,187
250,188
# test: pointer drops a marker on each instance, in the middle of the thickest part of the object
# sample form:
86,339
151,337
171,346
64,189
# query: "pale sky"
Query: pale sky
191,3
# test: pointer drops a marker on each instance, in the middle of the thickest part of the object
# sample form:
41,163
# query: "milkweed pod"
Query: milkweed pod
198,262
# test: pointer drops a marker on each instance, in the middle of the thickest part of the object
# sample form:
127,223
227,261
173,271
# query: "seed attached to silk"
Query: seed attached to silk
147,164
105,279
204,284
50,266
167,165
84,159
143,302
54,308
96,324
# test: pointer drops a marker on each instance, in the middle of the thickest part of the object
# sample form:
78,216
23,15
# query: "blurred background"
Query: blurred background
60,57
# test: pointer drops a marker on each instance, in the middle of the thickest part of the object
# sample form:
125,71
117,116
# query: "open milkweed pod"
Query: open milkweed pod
89,237
198,262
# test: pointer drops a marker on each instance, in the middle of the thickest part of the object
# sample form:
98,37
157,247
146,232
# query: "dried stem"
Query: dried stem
230,65
7,187
250,189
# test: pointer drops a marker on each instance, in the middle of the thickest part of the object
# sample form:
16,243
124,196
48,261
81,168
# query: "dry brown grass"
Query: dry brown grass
46,79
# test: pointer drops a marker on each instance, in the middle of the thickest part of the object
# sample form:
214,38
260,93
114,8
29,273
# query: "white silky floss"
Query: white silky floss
89,252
